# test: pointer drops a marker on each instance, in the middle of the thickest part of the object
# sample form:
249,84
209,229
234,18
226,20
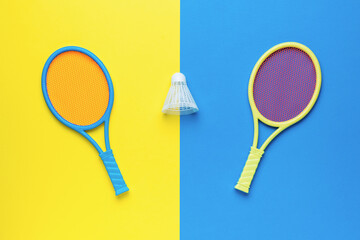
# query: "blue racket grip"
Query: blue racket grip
114,172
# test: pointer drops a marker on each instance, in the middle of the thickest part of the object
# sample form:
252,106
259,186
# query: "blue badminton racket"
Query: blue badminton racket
78,90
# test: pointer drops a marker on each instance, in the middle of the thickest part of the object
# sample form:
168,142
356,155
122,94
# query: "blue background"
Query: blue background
307,184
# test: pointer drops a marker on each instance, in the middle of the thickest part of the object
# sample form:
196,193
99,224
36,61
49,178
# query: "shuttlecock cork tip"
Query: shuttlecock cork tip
178,78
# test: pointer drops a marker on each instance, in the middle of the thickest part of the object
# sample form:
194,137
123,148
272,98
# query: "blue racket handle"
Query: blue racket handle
114,172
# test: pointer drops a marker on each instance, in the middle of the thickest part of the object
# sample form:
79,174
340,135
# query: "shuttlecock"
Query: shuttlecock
179,100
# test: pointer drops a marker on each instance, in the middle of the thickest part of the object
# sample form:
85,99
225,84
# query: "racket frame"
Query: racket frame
104,119
281,125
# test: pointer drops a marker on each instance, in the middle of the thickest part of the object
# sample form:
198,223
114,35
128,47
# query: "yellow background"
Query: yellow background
53,184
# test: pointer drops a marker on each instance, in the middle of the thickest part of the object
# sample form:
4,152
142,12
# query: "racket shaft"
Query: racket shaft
114,172
249,169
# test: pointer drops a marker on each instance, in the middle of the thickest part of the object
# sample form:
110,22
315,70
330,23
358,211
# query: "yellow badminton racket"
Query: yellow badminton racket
283,87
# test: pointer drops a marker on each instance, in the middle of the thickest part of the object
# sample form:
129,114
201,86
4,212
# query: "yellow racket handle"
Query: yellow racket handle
249,170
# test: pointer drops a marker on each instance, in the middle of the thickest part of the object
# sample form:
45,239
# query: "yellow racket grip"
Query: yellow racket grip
249,170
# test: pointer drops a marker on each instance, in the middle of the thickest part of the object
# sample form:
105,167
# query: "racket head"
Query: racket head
309,67
53,69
